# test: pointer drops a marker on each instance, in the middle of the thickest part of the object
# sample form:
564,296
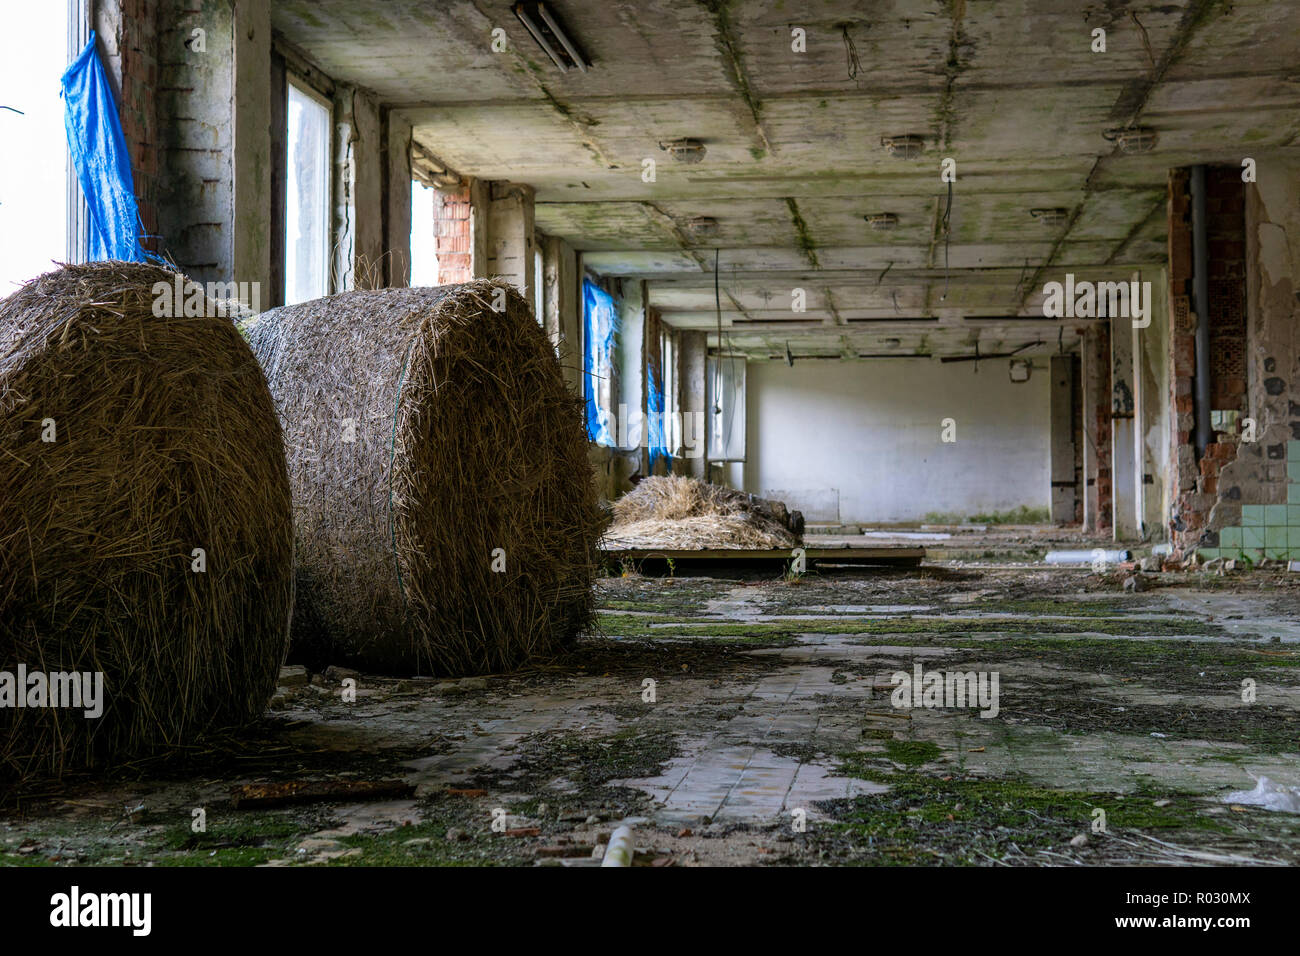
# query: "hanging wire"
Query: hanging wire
717,305
947,213
852,65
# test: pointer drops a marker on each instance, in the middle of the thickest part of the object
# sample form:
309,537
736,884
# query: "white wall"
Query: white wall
860,441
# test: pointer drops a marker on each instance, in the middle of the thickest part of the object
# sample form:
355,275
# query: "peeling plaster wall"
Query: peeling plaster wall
196,115
1236,476
1264,475
196,141
868,435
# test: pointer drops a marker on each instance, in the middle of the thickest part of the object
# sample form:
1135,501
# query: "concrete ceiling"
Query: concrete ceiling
1010,89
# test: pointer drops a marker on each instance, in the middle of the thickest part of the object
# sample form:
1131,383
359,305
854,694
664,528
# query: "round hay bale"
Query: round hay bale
445,509
127,441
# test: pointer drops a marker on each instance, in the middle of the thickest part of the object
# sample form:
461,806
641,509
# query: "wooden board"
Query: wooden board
897,555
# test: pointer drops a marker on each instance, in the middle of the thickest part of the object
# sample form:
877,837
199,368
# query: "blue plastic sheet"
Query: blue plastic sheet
103,164
600,314
658,430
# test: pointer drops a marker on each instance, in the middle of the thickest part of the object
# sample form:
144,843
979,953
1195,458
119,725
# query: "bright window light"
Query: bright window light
307,199
34,160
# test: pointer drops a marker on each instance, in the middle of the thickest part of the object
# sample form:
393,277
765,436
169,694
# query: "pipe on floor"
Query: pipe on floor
621,848
1094,556
1201,305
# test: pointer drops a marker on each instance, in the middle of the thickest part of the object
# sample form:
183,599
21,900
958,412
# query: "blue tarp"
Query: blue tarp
658,427
103,164
600,315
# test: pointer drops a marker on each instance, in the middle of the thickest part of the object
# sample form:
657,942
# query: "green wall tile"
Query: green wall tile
1275,516
1252,516
1252,538
1230,538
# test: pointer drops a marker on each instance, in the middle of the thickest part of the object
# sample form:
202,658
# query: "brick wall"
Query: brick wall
127,31
1225,207
451,221
1099,390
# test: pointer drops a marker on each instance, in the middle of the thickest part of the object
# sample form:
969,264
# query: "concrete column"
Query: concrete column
397,200
504,223
629,411
480,191
1127,474
358,192
1094,353
562,309
1151,351
1064,490
251,154
692,348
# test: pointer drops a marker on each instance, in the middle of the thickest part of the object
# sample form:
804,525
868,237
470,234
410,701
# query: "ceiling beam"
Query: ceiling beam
729,47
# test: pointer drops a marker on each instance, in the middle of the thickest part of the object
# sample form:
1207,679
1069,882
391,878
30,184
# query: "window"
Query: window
726,384
307,197
424,242
539,285
34,165
600,322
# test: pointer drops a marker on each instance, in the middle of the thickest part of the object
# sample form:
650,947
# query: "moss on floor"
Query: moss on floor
958,820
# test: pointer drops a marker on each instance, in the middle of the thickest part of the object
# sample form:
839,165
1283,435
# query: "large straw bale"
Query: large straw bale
445,508
127,441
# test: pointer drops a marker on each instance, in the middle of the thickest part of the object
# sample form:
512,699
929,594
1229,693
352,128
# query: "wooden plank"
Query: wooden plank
722,554
722,557
250,795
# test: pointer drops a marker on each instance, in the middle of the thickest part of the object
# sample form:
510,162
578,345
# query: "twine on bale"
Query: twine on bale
127,441
453,528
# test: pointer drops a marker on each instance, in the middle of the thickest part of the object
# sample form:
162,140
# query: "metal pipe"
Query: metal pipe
1201,305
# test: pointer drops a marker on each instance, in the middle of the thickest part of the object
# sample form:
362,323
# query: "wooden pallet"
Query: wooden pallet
879,556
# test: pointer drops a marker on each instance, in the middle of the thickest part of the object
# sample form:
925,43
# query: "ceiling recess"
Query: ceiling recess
684,150
1050,217
1132,139
702,227
545,28
903,147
